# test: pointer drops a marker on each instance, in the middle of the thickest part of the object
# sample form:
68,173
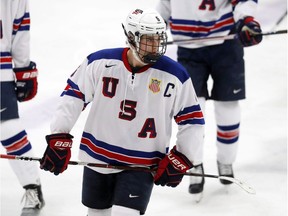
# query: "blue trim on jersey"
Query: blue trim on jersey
5,54
73,91
194,35
21,24
165,63
115,53
190,109
198,24
190,115
168,65
6,66
256,1
122,152
101,157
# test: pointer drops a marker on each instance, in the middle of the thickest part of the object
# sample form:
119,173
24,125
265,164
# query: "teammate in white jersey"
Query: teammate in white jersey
135,93
18,77
221,60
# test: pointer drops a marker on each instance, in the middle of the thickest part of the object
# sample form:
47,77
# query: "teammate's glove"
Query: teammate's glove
249,31
26,82
171,169
58,153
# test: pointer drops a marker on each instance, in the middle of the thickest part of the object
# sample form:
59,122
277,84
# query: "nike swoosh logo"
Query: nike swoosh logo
3,109
133,196
108,66
235,91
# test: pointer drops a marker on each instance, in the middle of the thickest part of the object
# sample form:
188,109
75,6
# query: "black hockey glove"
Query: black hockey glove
26,82
171,169
58,153
249,31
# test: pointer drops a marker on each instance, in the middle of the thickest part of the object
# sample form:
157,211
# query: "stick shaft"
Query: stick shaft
241,184
227,37
108,166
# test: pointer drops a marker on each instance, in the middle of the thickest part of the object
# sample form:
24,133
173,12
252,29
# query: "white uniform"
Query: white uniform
15,37
15,53
202,18
130,118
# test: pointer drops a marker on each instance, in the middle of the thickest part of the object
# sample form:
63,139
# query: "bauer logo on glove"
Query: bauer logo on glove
176,163
26,82
171,169
58,153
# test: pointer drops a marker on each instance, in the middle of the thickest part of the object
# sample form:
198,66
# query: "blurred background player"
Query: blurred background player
221,60
18,76
136,93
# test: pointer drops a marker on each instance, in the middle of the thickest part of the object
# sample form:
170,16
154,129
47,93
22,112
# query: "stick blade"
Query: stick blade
241,184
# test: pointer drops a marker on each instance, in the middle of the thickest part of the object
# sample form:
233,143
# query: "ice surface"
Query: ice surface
64,32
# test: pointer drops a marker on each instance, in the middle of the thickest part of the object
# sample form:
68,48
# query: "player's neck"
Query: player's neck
133,62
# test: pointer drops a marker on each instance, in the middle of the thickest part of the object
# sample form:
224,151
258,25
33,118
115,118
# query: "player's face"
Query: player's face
149,44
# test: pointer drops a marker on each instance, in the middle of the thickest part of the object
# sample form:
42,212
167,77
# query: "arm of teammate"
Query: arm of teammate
247,28
25,70
26,82
20,48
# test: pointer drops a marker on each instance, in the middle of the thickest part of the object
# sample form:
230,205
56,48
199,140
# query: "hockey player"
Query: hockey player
222,60
18,83
135,92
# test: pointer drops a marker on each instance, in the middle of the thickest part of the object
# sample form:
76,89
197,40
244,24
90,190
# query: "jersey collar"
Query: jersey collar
127,65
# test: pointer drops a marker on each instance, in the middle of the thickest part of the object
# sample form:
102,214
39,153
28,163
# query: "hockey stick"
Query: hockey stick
241,184
281,19
227,37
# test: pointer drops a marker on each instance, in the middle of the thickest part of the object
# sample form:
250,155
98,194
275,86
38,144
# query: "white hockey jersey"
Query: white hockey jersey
203,18
129,121
14,37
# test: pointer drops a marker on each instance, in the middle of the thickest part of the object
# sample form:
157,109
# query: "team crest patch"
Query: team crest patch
154,85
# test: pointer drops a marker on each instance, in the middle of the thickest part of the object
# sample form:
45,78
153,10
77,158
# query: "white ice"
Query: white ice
64,32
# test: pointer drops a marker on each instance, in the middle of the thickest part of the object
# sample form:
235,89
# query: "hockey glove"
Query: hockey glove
171,169
249,31
26,82
58,153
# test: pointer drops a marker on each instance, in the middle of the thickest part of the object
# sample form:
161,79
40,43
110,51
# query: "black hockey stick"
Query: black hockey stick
227,37
241,184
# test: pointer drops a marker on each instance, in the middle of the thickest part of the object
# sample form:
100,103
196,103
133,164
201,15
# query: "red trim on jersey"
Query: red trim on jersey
127,65
117,156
